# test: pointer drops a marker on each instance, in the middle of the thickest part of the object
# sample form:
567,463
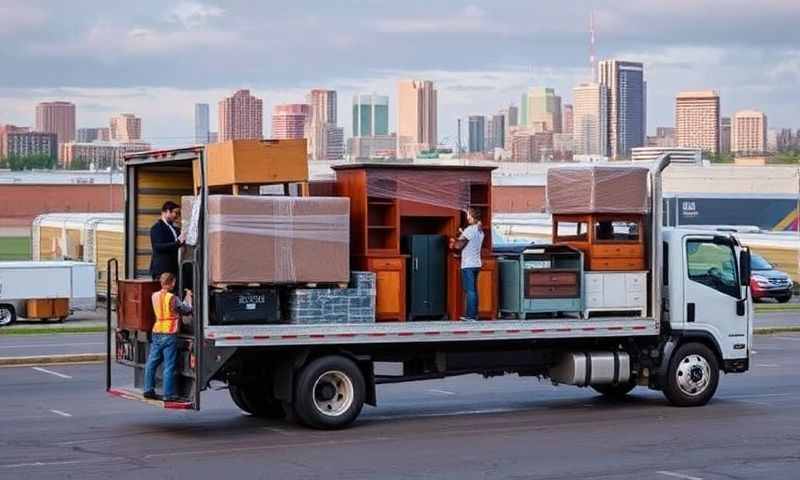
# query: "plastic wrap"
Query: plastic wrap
597,189
255,239
441,188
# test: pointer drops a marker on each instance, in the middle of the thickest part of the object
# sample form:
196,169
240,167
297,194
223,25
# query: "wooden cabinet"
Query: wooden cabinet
390,287
609,242
487,289
135,304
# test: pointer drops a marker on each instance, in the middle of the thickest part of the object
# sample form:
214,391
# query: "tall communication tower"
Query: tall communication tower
592,57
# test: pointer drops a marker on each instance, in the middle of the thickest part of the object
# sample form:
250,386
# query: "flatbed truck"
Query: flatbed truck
698,325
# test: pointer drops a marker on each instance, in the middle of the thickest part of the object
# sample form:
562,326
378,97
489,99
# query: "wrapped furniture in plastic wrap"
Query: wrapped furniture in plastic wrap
278,239
355,304
597,189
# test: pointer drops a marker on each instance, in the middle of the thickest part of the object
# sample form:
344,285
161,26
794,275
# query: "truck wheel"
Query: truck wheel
7,315
256,401
329,393
692,377
618,391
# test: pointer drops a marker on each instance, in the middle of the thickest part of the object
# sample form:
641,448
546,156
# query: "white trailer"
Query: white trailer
29,280
697,324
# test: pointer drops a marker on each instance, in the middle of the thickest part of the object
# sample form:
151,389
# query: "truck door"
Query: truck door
713,298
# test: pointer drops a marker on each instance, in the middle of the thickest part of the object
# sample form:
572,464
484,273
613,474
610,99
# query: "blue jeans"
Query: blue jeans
164,348
469,281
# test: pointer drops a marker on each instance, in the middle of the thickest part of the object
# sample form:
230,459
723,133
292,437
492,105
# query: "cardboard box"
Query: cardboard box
597,189
255,162
279,240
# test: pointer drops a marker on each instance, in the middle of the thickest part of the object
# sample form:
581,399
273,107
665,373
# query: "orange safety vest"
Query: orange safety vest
166,320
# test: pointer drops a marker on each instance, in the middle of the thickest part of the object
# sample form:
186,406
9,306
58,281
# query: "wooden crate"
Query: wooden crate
258,162
135,305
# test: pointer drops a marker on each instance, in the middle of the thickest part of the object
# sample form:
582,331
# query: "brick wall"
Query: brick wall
20,204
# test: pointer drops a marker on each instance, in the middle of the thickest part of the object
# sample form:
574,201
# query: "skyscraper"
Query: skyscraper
202,123
697,120
749,133
322,126
88,135
416,117
370,115
58,118
241,116
590,110
567,116
290,120
498,131
477,140
511,119
725,135
523,110
126,127
544,106
627,105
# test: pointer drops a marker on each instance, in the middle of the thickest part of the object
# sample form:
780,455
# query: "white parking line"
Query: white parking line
59,412
678,475
44,370
443,392
767,365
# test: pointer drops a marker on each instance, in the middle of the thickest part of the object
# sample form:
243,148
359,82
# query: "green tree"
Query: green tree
30,162
79,163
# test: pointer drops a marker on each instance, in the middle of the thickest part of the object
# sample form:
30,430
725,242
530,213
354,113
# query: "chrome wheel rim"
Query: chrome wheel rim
693,375
5,316
333,393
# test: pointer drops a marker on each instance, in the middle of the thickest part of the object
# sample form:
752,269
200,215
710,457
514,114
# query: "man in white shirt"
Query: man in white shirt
470,242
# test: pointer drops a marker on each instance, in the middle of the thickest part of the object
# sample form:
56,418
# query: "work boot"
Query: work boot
151,395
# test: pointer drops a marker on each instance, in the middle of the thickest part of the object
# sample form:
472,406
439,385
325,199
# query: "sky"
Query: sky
156,58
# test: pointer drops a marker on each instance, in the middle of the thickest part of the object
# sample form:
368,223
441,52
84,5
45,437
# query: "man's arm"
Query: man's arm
160,243
181,307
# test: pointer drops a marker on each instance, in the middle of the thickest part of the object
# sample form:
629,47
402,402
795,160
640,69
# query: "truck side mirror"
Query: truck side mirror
744,267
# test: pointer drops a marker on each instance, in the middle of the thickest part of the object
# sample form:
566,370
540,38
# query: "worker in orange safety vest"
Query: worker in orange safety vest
164,343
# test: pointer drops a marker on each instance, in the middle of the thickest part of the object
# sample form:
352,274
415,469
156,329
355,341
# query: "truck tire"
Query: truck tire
693,376
615,391
8,315
256,401
329,393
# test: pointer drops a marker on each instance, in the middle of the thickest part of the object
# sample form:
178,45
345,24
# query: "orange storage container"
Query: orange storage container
40,308
61,307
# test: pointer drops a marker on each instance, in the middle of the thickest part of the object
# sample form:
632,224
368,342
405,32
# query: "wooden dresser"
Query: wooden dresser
609,242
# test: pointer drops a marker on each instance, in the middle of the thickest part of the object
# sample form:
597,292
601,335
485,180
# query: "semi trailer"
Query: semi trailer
696,325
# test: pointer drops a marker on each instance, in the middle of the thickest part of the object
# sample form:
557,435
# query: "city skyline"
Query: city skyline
743,62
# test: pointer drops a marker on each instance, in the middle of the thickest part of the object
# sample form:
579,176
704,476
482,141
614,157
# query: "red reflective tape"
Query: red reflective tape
512,331
487,332
232,337
406,334
177,405
260,337
432,333
316,336
210,335
537,330
288,336
639,328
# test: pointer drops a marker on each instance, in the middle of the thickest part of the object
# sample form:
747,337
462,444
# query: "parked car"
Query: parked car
767,282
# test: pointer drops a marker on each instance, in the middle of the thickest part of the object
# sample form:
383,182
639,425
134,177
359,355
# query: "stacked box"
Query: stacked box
355,304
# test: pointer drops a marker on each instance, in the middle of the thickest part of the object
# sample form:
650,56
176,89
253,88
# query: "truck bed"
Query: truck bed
429,331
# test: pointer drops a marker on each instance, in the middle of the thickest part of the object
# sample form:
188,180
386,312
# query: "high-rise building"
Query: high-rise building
370,115
749,133
126,127
58,118
334,142
477,140
98,134
627,105
5,130
530,146
202,123
241,117
725,125
523,110
375,146
697,120
590,110
567,119
497,137
786,140
544,106
510,119
417,117
100,154
290,120
23,144
323,125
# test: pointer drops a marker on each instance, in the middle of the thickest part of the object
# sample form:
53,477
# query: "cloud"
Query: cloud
19,17
470,19
192,14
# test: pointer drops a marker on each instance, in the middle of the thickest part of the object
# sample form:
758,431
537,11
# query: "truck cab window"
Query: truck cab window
712,265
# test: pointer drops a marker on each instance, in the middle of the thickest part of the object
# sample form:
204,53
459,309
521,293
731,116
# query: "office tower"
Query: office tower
697,120
416,117
58,118
4,131
88,135
590,114
725,135
23,144
544,106
126,128
290,120
370,115
523,110
627,105
202,123
323,124
100,154
241,117
749,133
510,119
567,116
497,139
477,140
